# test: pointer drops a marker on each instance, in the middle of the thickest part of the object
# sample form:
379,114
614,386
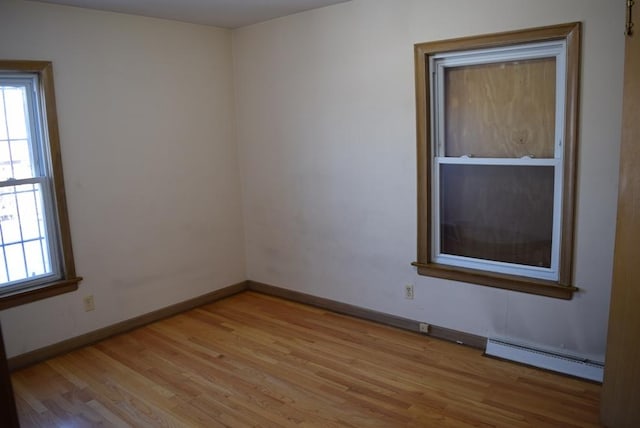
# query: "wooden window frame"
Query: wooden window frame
68,280
563,287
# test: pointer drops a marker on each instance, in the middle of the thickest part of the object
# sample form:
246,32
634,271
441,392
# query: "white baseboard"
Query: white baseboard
556,362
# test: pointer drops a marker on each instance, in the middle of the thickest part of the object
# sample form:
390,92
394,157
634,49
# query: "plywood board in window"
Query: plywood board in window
501,110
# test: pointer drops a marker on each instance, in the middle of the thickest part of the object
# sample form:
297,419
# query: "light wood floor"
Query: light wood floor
254,360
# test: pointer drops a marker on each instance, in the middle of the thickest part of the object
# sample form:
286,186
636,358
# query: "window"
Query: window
36,260
497,129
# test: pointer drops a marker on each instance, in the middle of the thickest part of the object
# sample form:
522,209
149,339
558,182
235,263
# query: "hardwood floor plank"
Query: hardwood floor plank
107,415
257,360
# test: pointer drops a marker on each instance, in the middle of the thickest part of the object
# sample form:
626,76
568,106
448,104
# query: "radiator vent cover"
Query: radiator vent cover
556,362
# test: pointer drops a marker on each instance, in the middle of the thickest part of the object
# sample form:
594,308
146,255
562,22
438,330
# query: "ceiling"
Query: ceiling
219,13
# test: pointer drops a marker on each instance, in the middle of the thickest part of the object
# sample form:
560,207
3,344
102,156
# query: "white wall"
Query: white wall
325,106
147,131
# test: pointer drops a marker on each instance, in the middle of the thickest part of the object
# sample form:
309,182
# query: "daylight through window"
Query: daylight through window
25,197
35,252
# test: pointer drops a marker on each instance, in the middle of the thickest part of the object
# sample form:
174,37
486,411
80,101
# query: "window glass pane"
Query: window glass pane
3,125
15,262
15,101
3,268
501,110
21,159
9,220
29,200
497,212
35,253
6,167
15,148
23,237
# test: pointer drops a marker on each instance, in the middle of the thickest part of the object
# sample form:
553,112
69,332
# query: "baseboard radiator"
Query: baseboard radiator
556,362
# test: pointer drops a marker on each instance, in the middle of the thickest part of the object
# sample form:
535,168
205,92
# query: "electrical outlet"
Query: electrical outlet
424,327
408,291
89,303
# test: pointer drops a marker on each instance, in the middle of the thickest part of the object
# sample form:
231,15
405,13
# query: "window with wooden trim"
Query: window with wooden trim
497,136
36,258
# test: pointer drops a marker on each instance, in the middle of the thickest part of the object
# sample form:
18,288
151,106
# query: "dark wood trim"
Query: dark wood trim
564,287
8,413
68,345
423,110
540,34
21,65
570,155
38,293
495,280
60,196
462,338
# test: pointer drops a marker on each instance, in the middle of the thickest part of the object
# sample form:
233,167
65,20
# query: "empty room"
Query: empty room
319,213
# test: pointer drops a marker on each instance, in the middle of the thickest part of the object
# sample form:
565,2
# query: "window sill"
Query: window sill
507,282
44,291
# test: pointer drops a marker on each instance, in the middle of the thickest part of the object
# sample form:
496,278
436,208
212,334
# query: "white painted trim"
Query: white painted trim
550,274
556,362
502,53
498,161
